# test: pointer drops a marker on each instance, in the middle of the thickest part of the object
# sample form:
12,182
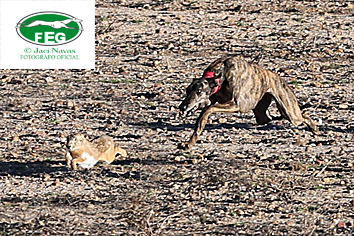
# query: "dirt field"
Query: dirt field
239,179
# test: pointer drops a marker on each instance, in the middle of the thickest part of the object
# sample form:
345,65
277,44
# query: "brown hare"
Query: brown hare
87,153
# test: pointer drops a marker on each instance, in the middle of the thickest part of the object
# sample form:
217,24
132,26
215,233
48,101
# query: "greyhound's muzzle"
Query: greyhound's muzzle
182,109
187,109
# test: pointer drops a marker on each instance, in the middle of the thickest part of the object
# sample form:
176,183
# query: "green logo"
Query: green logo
49,28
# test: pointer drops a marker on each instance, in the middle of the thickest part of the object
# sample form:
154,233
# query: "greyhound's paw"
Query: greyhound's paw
183,146
315,130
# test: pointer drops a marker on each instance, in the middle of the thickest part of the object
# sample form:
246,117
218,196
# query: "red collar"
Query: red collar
210,75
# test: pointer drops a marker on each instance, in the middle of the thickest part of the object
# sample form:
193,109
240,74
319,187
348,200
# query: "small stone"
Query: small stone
46,177
57,182
317,84
70,104
341,224
222,120
343,106
49,80
178,158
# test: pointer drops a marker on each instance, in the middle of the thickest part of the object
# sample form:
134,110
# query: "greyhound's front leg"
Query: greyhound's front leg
202,120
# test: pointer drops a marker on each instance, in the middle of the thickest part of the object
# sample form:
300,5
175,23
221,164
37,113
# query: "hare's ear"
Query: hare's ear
69,137
80,136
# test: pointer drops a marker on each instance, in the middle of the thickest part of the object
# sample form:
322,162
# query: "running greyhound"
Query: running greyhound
53,24
231,84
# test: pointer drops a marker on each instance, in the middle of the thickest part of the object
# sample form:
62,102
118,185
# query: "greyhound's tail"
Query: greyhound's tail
19,25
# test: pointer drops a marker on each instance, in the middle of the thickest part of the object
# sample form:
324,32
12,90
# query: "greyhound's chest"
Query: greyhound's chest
224,95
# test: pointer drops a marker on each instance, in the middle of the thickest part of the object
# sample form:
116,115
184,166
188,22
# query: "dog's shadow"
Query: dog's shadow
183,126
273,125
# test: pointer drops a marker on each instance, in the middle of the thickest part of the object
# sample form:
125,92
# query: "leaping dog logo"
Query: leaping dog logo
53,24
49,28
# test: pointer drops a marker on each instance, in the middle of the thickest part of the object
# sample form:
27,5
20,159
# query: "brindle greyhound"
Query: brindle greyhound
234,85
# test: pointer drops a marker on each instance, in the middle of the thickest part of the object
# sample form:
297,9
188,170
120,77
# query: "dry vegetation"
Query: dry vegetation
239,179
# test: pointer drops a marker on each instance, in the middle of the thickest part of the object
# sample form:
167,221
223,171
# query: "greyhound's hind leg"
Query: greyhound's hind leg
260,111
287,104
312,126
289,108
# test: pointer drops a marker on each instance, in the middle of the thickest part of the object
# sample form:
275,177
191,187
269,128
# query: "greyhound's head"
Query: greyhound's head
76,20
199,91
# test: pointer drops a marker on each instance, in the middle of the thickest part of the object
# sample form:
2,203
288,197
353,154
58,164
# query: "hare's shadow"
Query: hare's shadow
248,126
34,168
58,169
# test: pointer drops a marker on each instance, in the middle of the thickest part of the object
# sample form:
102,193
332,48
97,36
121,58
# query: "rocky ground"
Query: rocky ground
239,179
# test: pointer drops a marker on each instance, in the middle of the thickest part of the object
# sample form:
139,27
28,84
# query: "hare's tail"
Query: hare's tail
120,150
